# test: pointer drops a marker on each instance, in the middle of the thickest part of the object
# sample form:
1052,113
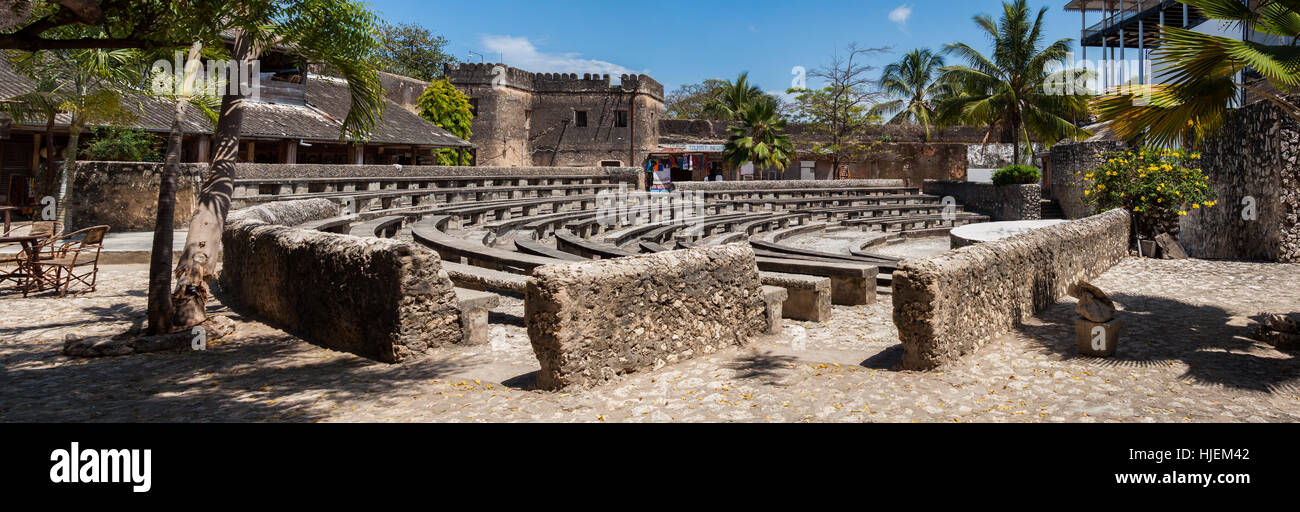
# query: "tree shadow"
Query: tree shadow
764,366
1157,331
251,379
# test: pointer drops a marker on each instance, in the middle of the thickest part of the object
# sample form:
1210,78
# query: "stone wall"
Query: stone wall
590,322
378,298
1008,202
124,195
913,162
783,184
1080,157
948,305
1255,158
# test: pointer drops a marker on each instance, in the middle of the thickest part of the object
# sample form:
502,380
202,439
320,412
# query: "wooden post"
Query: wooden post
290,152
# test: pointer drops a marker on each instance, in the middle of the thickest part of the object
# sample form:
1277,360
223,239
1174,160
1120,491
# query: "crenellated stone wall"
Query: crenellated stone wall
1008,202
1252,164
947,306
378,298
591,322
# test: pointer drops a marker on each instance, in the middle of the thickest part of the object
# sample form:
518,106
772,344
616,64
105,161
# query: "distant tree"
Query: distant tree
411,50
688,101
1009,93
836,115
444,105
759,138
917,85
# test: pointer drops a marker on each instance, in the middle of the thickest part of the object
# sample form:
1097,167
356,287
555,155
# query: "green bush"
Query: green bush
1016,175
123,145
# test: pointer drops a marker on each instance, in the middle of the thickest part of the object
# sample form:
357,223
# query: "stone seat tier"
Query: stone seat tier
429,233
383,227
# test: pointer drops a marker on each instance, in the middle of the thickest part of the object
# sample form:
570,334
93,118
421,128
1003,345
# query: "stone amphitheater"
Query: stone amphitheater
493,232
545,294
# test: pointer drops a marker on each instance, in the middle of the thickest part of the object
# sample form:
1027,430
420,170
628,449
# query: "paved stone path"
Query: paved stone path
1185,356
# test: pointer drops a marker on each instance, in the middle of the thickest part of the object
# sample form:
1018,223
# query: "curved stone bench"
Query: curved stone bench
783,233
573,244
340,225
383,227
537,249
807,297
852,284
484,279
429,233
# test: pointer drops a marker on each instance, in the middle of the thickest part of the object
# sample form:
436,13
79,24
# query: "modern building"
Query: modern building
1118,36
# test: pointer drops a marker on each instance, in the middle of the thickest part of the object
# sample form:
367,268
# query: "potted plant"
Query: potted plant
1158,185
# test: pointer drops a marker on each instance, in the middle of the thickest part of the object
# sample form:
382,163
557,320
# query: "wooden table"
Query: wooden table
31,269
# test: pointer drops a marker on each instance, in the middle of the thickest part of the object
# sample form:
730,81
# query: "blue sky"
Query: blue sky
679,42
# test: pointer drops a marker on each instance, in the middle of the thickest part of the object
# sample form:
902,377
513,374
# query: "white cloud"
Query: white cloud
900,15
521,53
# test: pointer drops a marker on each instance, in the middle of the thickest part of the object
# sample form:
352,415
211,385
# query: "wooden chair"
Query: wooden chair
74,259
13,262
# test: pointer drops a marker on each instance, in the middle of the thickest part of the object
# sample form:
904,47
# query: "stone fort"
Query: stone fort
559,119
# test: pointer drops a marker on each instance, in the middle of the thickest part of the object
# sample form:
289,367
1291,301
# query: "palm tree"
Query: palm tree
759,138
733,98
918,85
94,84
1008,93
1202,80
343,35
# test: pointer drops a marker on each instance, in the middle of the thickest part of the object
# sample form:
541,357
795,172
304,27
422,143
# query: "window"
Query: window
611,163
620,119
528,119
473,107
580,118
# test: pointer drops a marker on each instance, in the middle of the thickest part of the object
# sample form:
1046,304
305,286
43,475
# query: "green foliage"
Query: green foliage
444,105
1200,74
833,123
1010,92
918,86
411,50
118,144
689,101
1016,175
1150,180
759,139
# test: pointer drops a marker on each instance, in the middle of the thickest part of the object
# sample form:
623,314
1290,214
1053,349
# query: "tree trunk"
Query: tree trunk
69,168
198,261
160,259
48,188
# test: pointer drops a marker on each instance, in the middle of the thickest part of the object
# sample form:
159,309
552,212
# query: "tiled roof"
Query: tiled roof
328,102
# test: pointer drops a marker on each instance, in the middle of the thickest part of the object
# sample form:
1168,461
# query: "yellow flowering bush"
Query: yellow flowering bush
1151,182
